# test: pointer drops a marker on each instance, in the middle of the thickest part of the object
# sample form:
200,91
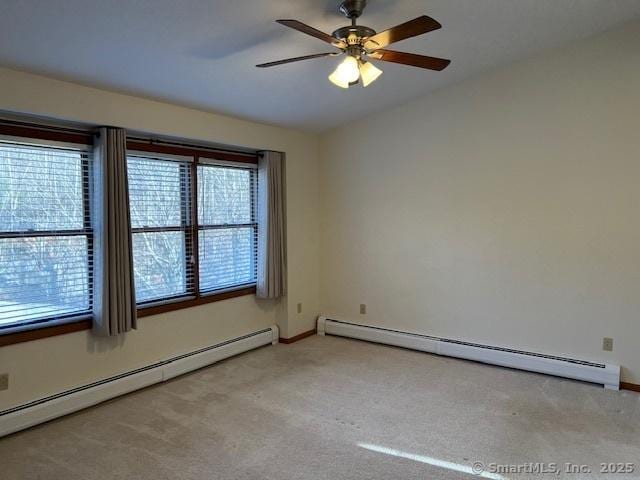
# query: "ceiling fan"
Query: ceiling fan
360,43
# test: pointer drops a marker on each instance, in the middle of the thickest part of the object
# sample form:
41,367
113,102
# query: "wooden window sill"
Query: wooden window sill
194,302
44,332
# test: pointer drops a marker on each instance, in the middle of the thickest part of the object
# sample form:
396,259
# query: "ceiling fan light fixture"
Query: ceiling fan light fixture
369,73
347,72
338,81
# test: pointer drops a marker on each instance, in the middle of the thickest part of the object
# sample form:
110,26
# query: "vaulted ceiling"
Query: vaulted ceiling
201,53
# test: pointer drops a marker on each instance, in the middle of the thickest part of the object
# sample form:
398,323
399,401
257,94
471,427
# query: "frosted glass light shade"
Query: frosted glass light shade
346,73
369,73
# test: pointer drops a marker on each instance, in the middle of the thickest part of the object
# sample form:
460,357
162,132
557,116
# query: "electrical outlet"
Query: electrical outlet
607,344
299,308
363,309
4,381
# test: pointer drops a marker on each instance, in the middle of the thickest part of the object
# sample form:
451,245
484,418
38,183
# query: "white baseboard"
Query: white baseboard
40,411
605,374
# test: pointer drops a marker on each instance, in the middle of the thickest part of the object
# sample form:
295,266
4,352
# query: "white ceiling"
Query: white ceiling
201,53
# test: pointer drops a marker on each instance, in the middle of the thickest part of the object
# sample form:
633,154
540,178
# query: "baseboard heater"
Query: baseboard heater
48,408
607,375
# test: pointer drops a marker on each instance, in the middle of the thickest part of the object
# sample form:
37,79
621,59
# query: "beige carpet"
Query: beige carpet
332,408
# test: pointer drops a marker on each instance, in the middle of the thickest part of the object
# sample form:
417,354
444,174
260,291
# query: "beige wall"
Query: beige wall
50,365
502,210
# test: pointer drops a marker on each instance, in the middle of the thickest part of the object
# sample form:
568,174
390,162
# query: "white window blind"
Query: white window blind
46,239
227,226
160,203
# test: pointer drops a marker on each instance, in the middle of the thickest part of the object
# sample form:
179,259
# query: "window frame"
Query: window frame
199,156
24,135
26,132
253,223
186,219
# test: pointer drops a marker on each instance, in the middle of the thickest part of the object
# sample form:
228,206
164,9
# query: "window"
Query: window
46,237
193,222
184,250
227,228
159,197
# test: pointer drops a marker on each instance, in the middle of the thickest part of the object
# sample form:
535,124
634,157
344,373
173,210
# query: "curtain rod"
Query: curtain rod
53,128
94,131
156,141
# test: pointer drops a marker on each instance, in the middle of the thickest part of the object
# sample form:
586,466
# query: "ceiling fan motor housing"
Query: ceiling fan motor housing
352,8
354,34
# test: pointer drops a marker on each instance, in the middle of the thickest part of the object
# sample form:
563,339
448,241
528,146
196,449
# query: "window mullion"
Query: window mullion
44,233
225,226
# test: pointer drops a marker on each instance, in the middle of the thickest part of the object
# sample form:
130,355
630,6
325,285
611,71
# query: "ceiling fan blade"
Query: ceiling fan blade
422,61
301,27
297,59
409,29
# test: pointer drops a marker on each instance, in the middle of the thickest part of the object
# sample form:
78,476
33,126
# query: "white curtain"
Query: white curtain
114,310
272,248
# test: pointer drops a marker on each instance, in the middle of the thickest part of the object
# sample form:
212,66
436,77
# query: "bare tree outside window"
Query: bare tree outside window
162,220
45,233
46,236
227,226
158,195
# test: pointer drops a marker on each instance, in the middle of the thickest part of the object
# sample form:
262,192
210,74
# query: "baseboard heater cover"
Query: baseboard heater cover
64,403
607,375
